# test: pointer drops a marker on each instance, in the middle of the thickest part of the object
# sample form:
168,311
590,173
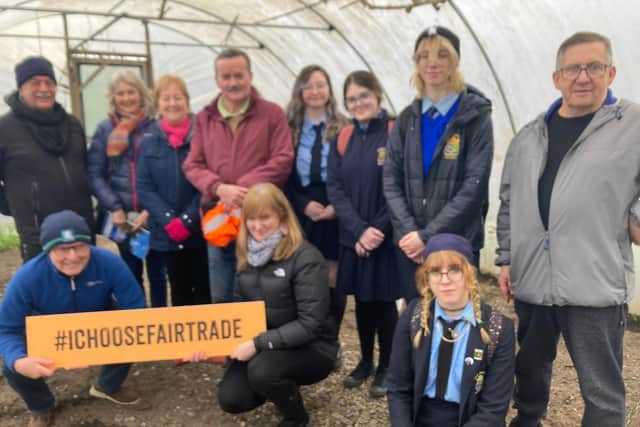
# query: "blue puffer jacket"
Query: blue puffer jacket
164,190
39,288
113,179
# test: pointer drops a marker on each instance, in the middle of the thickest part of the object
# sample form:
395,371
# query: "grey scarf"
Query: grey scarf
260,253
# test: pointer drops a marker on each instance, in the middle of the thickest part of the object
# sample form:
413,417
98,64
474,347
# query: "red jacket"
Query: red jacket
260,151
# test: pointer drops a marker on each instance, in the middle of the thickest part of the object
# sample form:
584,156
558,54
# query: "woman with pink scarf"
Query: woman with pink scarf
172,202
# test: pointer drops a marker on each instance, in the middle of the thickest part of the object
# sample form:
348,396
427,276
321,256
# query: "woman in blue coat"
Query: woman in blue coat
111,166
366,265
171,200
453,357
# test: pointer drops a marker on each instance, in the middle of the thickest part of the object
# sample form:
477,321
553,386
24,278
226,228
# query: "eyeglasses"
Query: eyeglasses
594,70
316,86
453,274
64,250
353,100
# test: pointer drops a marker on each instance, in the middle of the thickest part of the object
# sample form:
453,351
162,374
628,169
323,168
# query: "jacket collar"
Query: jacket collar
609,100
214,113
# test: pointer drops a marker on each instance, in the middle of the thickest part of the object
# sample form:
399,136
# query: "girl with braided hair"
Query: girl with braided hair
452,360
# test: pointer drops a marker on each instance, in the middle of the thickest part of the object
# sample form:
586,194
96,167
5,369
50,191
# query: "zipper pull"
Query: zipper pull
546,241
73,285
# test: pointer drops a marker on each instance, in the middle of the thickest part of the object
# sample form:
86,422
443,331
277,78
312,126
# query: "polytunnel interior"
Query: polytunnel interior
507,47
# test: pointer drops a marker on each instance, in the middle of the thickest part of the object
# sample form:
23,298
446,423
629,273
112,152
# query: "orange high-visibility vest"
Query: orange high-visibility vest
221,226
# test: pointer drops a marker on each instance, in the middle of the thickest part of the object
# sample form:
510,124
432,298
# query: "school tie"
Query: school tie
444,356
432,112
315,174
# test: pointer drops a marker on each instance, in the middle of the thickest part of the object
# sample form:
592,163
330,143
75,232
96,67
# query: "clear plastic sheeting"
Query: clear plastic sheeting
508,47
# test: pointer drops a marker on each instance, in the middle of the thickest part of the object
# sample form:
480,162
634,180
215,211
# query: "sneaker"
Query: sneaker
359,375
125,396
379,385
41,420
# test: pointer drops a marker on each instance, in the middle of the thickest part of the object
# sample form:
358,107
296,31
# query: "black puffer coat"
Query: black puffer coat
296,296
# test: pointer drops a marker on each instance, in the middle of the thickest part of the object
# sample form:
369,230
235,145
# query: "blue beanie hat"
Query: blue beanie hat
449,242
63,227
33,66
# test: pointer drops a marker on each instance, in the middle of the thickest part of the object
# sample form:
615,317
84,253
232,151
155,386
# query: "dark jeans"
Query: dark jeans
594,339
188,276
38,397
376,317
155,272
222,272
270,375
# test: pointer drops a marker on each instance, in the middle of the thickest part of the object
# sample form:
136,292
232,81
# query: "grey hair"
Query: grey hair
131,78
584,37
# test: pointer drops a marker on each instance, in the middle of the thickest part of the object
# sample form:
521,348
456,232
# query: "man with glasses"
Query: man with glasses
42,155
69,276
565,255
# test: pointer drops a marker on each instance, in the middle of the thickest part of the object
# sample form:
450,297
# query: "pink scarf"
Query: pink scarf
176,134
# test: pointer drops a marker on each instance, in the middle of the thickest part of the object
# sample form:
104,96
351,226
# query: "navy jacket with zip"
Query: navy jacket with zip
486,387
453,197
38,288
164,190
113,178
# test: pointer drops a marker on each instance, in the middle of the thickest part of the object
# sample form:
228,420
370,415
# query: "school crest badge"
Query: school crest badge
382,154
452,148
479,379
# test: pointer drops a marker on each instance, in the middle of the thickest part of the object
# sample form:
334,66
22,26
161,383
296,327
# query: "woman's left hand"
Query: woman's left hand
244,351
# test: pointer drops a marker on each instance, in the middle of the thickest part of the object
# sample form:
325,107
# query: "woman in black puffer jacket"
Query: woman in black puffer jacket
277,266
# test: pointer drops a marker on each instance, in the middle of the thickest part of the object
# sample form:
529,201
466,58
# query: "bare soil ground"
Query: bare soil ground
186,395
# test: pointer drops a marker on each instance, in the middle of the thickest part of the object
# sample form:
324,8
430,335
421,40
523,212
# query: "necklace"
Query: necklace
455,335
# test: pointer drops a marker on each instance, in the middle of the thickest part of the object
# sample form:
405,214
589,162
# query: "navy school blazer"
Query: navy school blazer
486,388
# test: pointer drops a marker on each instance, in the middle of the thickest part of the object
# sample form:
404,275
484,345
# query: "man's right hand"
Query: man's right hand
231,195
314,210
504,281
33,367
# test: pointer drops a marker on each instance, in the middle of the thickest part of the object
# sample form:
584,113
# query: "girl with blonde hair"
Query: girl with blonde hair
452,362
277,266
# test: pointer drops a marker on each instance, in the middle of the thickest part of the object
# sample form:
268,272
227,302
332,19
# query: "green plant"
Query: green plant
8,236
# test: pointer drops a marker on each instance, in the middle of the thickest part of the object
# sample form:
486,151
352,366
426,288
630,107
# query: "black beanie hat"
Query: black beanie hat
440,31
63,227
33,66
449,242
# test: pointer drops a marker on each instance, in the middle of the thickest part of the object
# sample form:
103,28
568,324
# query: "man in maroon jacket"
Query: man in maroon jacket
239,140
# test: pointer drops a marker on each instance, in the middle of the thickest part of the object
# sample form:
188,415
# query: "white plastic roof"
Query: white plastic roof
518,37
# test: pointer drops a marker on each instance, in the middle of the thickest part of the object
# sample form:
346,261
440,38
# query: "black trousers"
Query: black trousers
376,317
337,305
437,413
271,375
188,273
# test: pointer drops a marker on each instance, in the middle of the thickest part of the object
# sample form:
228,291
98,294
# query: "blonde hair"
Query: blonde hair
164,82
456,80
259,199
469,276
131,78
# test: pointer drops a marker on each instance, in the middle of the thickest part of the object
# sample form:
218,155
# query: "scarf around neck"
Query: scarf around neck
260,253
118,141
176,134
50,129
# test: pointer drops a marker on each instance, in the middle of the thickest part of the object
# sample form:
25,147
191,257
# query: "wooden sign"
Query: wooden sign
124,336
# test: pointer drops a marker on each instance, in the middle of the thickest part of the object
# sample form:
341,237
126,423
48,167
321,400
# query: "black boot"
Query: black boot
292,410
359,375
379,385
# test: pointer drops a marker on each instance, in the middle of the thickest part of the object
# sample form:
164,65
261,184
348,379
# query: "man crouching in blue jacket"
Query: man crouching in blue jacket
69,276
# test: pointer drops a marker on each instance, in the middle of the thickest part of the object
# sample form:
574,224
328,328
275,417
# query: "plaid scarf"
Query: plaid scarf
118,140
